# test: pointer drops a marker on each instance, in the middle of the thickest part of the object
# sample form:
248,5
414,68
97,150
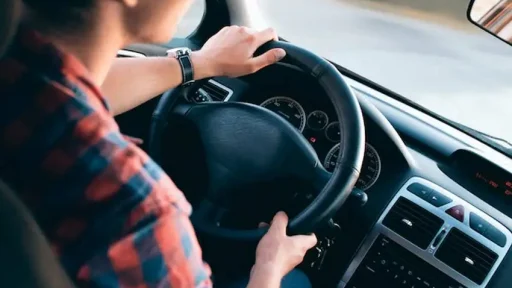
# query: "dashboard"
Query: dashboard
438,212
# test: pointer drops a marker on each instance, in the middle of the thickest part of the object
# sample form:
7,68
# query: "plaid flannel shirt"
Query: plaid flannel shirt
112,216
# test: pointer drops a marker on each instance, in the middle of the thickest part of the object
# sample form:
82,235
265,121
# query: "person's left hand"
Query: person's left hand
230,53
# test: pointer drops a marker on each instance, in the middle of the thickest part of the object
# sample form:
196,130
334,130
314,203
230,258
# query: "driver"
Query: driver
113,217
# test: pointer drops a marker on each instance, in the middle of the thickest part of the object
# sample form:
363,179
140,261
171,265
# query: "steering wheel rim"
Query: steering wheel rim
337,186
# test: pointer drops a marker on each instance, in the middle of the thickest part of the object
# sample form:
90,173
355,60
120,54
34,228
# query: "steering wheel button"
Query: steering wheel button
456,212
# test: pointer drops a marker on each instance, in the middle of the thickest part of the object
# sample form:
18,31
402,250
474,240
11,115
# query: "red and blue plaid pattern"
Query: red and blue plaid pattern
113,217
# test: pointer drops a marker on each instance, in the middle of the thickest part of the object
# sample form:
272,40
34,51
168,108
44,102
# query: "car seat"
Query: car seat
26,259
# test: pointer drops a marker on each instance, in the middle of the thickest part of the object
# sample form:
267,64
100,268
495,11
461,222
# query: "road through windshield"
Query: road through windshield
424,50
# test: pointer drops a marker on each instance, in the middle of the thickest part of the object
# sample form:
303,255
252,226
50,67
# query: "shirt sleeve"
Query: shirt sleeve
142,221
113,217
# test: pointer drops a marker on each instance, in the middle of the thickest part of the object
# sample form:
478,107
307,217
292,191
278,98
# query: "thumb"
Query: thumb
268,58
279,223
305,241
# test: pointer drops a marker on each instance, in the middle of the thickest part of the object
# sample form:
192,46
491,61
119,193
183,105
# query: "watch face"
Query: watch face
178,51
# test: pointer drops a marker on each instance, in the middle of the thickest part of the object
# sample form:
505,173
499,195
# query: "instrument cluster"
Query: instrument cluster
324,134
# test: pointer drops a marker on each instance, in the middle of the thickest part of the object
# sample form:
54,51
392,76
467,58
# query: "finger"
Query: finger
227,28
267,58
279,223
262,224
266,35
136,141
305,241
247,31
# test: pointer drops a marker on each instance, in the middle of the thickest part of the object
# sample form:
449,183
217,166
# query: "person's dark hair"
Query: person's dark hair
60,13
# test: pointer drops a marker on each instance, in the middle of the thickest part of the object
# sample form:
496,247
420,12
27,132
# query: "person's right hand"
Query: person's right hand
230,53
280,252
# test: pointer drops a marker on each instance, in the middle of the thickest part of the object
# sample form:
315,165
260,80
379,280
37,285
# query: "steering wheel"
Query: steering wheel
247,144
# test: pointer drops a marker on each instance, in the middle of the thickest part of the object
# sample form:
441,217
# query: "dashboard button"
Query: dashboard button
420,190
457,212
495,236
437,199
477,223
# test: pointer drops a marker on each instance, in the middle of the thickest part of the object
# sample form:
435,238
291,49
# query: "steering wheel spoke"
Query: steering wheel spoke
208,213
320,177
183,108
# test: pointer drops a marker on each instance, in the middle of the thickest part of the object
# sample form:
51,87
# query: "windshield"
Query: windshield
425,50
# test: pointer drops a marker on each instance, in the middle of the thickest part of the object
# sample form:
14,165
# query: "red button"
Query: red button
457,212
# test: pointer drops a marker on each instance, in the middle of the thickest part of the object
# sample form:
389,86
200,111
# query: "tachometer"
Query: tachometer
289,109
370,170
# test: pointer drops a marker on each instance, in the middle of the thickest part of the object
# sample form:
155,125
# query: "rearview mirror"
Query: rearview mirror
494,16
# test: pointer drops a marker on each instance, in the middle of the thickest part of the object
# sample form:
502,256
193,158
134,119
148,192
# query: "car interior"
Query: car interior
397,195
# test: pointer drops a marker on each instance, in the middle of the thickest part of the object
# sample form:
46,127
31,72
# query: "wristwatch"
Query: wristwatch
187,70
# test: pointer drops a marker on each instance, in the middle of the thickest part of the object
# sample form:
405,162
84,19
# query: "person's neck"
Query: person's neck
96,48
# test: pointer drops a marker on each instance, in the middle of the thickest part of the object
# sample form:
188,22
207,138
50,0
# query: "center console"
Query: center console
428,237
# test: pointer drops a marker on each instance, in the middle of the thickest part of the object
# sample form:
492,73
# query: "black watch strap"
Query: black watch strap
187,70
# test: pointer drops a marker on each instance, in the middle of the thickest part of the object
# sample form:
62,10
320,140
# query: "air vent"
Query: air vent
413,222
467,256
217,91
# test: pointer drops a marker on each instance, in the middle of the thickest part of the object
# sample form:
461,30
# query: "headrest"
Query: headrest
9,16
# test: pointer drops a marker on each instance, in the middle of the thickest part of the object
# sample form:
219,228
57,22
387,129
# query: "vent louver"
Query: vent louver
466,255
413,222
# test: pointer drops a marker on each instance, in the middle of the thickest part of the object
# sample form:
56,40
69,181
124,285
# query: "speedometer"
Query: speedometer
287,108
370,171
332,158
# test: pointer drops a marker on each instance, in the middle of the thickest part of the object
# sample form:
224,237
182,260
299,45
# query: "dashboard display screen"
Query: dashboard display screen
487,181
502,186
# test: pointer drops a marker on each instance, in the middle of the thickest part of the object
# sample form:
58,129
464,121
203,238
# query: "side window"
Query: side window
191,20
